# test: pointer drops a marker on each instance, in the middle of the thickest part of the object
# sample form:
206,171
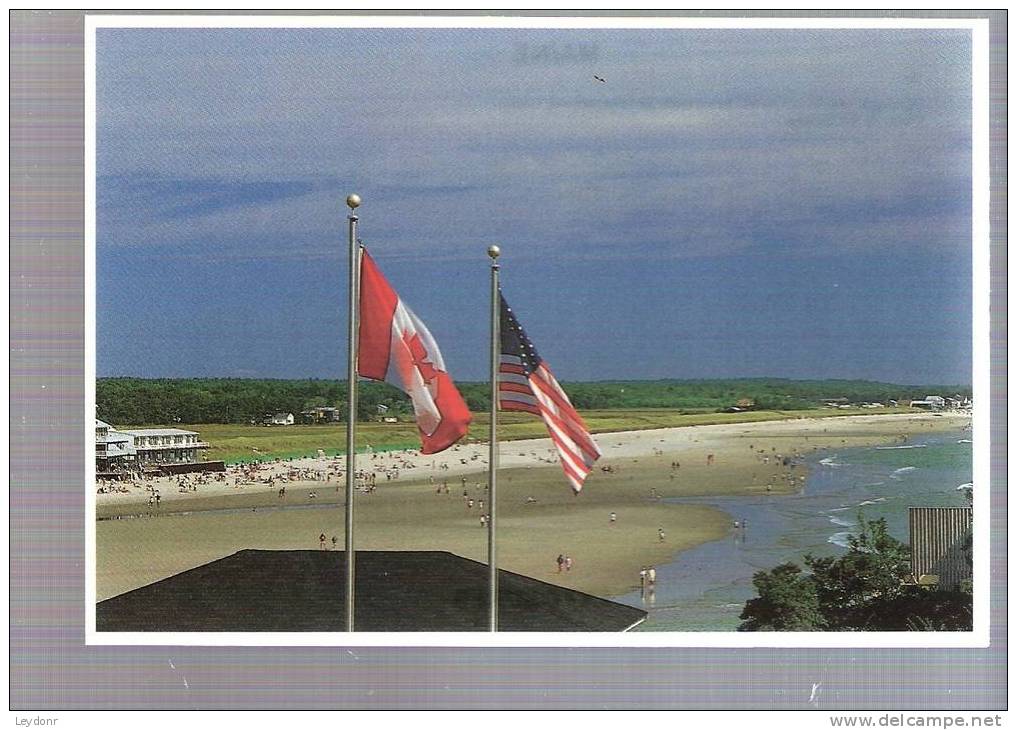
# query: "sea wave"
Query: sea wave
903,470
840,539
877,500
841,523
964,441
830,461
909,446
968,485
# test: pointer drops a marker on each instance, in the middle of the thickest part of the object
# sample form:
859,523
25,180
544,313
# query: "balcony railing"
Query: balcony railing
163,447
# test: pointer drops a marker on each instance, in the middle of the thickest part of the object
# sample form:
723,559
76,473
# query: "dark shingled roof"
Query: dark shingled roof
304,590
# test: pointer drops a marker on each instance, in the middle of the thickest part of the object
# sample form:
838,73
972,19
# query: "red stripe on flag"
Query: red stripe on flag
582,454
514,387
378,303
510,368
568,418
514,405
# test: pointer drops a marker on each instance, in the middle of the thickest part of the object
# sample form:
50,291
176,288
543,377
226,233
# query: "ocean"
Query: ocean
705,588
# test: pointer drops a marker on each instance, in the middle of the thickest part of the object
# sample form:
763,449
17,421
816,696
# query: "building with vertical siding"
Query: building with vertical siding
940,545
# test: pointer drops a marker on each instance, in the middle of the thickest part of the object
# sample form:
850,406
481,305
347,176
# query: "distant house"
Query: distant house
930,403
280,419
320,414
834,402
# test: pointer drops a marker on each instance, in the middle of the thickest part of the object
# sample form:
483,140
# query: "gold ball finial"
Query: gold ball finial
493,251
353,200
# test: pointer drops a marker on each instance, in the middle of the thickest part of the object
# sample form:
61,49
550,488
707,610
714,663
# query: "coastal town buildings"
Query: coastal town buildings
114,450
159,446
279,419
930,403
321,414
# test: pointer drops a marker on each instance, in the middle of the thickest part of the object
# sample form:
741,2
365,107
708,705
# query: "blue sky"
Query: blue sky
729,203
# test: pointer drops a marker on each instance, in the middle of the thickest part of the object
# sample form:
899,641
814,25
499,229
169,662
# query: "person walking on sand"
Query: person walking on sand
568,563
561,562
335,542
321,541
651,576
612,518
660,534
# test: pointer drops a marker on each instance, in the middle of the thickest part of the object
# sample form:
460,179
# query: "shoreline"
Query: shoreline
412,512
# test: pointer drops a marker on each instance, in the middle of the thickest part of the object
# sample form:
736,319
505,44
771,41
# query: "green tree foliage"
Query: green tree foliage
864,590
872,572
787,602
134,401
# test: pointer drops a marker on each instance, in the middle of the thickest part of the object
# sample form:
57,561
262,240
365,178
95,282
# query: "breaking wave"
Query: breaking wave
840,539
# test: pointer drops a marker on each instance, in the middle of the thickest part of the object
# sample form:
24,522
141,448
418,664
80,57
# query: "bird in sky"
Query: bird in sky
599,79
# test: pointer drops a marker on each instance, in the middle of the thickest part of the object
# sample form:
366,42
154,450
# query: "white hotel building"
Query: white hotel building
156,446
127,450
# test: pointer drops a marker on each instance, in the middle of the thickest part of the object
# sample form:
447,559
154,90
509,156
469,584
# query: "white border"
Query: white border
90,334
978,637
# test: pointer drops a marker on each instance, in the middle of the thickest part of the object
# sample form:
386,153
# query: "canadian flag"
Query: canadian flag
395,346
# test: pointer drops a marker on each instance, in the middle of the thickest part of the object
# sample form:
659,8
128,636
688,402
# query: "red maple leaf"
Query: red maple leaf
420,357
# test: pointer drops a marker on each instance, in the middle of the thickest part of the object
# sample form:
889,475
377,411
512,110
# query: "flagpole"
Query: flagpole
492,460
353,201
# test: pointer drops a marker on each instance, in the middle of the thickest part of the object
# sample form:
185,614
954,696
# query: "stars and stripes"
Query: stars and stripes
525,383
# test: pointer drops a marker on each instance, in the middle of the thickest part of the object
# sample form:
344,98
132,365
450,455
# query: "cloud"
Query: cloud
244,143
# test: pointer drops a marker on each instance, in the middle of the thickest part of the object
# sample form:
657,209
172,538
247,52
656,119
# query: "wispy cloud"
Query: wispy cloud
699,142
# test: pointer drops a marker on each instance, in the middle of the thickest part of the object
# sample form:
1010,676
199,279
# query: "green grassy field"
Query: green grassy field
235,443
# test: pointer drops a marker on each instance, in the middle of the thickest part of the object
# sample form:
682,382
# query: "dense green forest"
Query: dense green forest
134,401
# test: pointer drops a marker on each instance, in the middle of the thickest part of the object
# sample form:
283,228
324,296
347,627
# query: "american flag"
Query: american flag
525,383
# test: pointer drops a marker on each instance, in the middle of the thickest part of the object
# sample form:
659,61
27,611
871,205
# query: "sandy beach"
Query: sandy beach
199,520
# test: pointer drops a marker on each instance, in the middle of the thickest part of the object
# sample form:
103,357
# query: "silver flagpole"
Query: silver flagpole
492,459
353,201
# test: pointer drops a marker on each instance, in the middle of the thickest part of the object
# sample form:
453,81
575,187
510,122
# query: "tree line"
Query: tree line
135,401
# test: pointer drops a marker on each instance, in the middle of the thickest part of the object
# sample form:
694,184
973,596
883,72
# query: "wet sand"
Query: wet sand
187,529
